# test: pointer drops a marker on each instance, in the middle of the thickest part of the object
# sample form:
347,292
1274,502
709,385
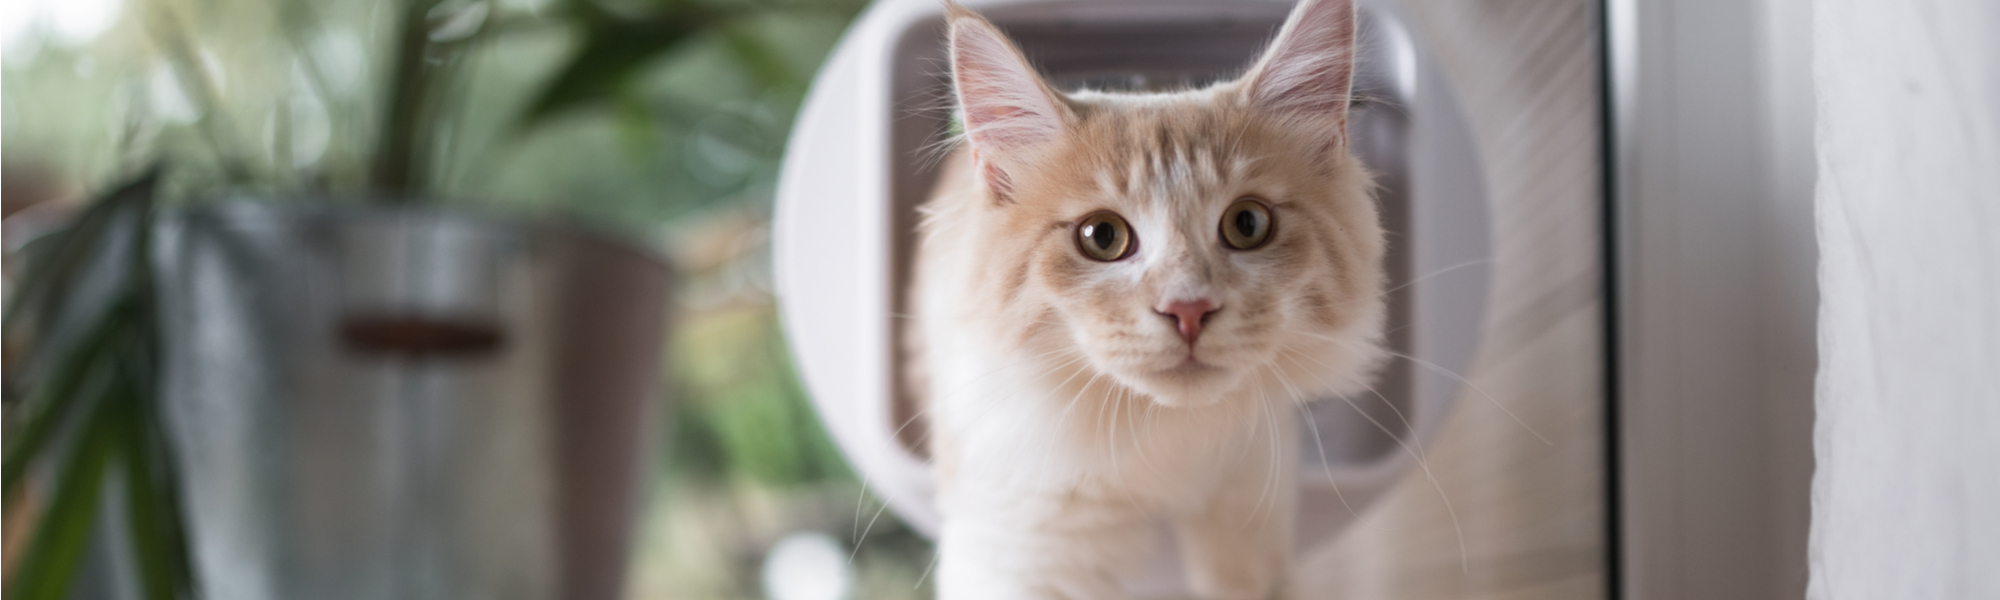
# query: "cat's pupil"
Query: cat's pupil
1246,224
1102,236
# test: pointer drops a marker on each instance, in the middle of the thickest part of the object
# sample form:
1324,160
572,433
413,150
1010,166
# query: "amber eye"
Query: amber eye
1246,225
1104,236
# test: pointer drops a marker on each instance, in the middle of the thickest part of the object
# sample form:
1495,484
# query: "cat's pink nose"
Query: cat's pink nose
1190,314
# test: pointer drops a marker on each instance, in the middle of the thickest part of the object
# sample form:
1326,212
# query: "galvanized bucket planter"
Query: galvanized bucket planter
392,402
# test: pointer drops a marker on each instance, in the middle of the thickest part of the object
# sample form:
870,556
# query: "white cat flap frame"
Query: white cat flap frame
861,158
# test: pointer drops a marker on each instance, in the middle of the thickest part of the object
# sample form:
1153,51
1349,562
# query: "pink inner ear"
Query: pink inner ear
996,180
1005,106
1309,68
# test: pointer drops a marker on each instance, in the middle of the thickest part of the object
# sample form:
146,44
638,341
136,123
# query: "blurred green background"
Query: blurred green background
660,120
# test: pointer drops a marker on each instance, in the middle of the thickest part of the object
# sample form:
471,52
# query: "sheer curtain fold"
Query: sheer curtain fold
1906,498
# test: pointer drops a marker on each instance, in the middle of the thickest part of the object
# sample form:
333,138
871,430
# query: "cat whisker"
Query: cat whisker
927,571
1408,427
1441,271
1269,488
1125,399
1464,556
935,100
1049,454
1463,265
860,500
1299,400
864,533
1461,379
1152,417
1111,428
1049,451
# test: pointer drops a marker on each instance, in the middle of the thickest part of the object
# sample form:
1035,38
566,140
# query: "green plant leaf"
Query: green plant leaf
765,64
54,399
46,571
614,48
153,510
48,277
88,402
400,164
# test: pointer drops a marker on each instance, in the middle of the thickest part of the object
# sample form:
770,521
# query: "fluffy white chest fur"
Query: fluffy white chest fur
1059,478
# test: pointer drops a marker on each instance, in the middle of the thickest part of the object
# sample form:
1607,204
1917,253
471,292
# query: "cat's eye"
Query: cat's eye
1104,236
1246,225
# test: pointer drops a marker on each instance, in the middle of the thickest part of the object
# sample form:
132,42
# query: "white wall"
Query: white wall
1906,499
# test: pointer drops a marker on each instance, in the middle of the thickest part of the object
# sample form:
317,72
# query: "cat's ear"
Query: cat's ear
1307,72
1006,107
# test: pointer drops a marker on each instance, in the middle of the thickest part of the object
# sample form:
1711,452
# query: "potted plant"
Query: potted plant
335,380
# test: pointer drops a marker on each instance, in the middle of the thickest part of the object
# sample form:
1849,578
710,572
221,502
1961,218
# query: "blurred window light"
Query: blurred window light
78,22
68,22
533,7
807,565
15,17
455,23
168,101
341,59
300,129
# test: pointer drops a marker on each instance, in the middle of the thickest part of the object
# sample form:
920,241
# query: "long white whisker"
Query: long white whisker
927,571
860,500
1312,425
1110,426
1464,557
1407,425
1049,452
1270,487
1469,263
1138,443
1461,379
864,533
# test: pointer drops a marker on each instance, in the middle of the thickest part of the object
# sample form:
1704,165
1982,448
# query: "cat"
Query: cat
1120,300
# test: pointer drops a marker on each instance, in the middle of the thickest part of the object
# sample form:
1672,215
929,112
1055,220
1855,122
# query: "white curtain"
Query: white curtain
1906,498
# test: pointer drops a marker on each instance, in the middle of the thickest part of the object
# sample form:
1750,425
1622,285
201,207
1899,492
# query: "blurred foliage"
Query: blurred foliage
745,415
625,114
749,464
663,120
82,316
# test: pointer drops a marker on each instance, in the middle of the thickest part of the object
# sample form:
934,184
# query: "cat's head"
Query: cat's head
1189,243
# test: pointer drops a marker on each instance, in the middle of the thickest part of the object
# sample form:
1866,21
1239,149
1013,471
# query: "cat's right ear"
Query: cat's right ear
1007,108
1306,73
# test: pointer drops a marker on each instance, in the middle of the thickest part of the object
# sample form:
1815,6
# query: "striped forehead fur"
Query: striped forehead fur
1166,147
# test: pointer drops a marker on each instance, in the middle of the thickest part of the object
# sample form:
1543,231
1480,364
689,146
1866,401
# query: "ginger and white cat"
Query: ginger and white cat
1120,301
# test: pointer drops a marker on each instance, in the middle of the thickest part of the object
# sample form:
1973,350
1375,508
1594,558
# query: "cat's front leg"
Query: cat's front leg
1237,547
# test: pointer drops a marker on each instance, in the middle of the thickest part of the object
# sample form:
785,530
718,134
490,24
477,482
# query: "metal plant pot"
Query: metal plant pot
388,402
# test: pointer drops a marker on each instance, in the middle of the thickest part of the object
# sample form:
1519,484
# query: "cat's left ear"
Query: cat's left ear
1308,71
1008,110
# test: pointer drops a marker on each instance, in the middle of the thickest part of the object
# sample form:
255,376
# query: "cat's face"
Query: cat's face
1190,243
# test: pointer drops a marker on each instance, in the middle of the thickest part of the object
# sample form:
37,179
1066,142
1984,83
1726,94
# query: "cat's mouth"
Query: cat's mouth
1189,382
1191,368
